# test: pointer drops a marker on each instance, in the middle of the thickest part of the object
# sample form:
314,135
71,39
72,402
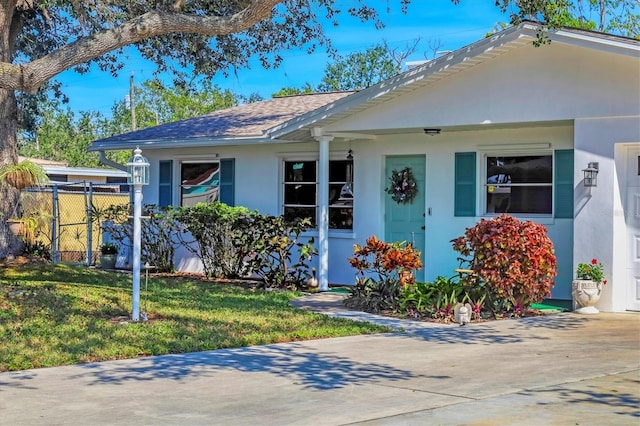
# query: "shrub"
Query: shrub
219,239
158,229
233,242
382,269
37,249
515,260
274,240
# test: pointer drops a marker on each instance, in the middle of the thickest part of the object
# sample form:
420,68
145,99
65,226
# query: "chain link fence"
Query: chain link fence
68,218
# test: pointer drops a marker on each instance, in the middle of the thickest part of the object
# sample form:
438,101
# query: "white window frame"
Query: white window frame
308,157
483,186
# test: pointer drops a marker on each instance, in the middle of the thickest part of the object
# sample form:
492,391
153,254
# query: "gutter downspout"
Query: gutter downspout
104,160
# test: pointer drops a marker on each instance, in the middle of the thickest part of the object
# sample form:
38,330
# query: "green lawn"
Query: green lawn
58,315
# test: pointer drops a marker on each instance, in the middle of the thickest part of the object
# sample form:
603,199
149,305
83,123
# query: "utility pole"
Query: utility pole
132,103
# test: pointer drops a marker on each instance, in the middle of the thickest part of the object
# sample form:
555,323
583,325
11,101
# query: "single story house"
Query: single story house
497,126
59,172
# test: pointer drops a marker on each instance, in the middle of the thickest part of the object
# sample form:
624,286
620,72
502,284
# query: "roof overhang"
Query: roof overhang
443,67
182,143
83,171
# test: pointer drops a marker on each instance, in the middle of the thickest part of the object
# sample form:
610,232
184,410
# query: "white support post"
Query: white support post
323,213
137,231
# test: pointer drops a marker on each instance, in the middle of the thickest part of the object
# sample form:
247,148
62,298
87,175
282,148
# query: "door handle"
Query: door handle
423,227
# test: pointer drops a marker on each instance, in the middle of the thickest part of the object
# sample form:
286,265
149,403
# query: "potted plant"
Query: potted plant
23,175
108,255
587,287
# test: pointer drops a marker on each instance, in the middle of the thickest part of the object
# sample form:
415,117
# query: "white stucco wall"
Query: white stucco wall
258,186
599,229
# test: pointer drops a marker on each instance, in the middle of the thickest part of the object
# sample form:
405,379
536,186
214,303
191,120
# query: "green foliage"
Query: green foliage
158,229
23,175
59,315
358,70
233,242
59,134
514,259
593,271
432,300
275,240
109,248
157,103
292,91
218,238
36,249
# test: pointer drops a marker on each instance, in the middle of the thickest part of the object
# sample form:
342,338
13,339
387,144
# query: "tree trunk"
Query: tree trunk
8,155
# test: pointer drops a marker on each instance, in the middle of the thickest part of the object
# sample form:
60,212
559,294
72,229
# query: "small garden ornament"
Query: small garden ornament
462,313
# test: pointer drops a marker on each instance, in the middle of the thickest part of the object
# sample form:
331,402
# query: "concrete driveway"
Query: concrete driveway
563,369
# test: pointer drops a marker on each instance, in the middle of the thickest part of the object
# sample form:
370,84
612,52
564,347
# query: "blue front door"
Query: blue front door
406,222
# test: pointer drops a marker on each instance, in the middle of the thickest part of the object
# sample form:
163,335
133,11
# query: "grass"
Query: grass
60,315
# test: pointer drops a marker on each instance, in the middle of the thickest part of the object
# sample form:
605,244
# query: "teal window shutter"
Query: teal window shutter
165,190
563,183
227,178
465,184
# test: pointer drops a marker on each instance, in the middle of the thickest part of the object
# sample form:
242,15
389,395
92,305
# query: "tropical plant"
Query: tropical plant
37,249
23,175
382,269
515,260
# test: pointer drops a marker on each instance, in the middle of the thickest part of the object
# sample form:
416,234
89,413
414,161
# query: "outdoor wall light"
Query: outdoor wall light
432,132
138,168
591,174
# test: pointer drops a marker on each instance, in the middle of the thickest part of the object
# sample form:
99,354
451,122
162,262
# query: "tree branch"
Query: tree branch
29,77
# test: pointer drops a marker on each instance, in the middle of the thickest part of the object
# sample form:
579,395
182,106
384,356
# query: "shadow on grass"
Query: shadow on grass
306,367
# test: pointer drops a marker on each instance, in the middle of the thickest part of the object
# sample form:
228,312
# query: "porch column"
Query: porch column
323,210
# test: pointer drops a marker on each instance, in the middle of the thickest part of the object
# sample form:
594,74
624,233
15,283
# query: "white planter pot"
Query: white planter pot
586,294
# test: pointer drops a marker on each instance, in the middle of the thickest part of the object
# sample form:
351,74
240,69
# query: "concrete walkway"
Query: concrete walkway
563,369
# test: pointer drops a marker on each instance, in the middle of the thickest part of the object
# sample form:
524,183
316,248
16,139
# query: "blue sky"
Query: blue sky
430,20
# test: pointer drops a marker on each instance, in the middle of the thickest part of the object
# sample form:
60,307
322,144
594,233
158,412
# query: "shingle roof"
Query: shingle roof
247,120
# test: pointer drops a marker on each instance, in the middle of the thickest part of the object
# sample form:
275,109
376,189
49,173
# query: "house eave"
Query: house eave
446,65
183,143
83,171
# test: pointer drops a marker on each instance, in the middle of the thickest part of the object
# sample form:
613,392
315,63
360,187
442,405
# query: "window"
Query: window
519,184
301,192
199,182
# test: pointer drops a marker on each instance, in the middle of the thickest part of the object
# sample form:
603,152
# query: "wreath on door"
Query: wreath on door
403,188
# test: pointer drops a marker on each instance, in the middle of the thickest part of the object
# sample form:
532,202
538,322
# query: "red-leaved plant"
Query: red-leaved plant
382,269
515,259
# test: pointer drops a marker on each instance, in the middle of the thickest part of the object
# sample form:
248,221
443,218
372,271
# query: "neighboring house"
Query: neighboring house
59,172
535,115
